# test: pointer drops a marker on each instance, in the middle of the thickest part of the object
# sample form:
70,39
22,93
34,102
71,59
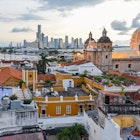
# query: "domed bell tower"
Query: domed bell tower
104,52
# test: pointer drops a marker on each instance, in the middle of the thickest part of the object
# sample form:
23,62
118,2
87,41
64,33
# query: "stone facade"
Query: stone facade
102,55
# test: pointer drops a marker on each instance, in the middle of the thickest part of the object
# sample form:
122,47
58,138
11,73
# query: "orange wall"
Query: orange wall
12,82
58,88
60,77
77,80
55,101
93,84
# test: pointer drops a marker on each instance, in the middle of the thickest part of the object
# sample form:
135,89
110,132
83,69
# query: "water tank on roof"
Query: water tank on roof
5,102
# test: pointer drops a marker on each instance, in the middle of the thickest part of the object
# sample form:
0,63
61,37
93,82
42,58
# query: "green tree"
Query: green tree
13,97
72,133
77,130
27,101
48,83
64,134
20,83
122,90
41,65
4,51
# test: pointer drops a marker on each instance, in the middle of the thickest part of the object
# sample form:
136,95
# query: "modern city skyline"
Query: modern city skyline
76,19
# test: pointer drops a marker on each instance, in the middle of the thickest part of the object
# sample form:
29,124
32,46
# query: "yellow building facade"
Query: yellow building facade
63,106
63,76
30,78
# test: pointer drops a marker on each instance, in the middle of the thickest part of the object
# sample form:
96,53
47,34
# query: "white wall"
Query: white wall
90,68
92,128
111,130
66,83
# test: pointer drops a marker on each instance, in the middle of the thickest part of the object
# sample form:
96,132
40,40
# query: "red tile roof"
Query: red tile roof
13,61
44,77
109,93
115,72
8,72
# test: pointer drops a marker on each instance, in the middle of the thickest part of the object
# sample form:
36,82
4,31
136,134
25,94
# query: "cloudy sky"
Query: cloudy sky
75,18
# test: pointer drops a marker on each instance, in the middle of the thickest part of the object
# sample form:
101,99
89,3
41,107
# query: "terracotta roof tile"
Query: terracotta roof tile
115,72
8,72
109,93
44,77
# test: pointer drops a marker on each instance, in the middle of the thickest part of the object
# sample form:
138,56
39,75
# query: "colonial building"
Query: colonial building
101,53
10,77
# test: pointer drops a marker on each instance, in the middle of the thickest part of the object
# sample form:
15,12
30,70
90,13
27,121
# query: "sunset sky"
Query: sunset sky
75,18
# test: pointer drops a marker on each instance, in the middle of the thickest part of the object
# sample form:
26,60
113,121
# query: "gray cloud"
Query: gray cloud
25,17
67,4
6,19
135,21
15,30
130,0
30,17
120,26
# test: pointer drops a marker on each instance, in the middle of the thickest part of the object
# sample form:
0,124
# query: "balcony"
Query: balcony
122,109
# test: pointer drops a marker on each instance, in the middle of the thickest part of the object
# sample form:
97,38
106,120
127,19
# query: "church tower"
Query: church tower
104,52
100,52
89,49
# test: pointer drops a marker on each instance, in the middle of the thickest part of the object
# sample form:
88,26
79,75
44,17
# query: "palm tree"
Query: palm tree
48,83
75,132
4,51
41,65
64,134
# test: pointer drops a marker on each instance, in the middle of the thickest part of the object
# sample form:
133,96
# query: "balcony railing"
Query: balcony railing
122,109
126,88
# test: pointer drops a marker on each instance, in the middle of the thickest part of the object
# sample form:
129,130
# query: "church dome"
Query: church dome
89,39
135,40
104,39
136,35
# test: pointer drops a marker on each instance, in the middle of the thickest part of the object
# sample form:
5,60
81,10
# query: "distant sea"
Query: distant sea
121,48
19,57
33,57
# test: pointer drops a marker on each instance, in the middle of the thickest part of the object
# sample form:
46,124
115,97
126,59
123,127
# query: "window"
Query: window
58,109
12,81
68,109
89,107
43,111
129,65
117,66
106,56
81,108
30,75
